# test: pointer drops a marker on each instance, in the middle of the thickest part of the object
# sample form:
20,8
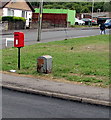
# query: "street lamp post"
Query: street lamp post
40,21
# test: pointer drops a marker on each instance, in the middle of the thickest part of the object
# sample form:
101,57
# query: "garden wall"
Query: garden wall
13,25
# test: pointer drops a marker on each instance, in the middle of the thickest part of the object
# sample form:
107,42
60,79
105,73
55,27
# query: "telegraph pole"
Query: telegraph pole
92,11
40,21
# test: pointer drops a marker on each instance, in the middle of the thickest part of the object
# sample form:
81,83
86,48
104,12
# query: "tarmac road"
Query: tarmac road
21,105
47,36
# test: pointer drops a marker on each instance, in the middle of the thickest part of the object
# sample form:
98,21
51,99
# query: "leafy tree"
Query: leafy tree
107,6
85,9
80,7
48,6
98,5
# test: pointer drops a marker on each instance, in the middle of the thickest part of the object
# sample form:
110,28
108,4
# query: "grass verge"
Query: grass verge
84,60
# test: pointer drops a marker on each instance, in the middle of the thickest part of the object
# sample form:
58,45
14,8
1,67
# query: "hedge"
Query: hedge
13,18
0,18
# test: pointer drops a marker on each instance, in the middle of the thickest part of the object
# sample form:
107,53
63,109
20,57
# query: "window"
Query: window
23,13
10,12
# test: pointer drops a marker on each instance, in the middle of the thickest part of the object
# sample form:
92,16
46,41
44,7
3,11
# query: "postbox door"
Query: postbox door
16,40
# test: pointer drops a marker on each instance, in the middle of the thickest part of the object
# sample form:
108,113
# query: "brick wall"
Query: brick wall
1,12
110,14
13,25
47,24
4,25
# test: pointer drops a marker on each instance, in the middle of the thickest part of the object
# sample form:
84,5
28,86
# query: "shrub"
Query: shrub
13,18
0,18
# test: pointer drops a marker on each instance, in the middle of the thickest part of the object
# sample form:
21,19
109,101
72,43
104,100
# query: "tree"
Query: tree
85,10
80,7
107,6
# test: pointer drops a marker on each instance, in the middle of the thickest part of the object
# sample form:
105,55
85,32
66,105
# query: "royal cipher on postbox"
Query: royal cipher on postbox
18,39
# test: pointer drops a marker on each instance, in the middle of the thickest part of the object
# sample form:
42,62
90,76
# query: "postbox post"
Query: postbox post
18,42
19,58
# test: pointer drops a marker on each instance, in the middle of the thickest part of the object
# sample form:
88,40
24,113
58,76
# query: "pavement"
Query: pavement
55,88
8,32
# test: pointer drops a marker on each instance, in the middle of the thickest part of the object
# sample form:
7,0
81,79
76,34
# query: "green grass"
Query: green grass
84,60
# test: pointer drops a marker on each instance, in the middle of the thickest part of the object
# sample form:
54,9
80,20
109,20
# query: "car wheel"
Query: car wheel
76,23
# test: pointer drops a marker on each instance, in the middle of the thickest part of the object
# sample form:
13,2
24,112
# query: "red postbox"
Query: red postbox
18,39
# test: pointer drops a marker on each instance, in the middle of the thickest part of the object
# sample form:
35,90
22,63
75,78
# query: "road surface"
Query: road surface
31,36
21,105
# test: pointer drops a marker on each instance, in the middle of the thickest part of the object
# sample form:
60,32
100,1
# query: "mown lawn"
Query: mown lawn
84,60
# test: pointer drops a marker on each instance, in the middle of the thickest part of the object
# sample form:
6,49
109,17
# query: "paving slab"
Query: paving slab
64,90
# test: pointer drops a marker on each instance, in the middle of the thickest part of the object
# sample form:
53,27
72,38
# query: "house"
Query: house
18,8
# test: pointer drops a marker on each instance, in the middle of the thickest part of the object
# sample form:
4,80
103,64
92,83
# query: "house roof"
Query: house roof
3,4
30,6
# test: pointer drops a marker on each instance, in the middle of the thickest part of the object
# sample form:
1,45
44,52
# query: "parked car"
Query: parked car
108,23
89,21
94,22
79,22
102,20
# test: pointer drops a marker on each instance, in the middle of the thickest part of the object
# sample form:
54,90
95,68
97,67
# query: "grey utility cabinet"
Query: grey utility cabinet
44,64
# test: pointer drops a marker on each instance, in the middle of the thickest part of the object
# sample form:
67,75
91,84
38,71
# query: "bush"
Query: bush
13,18
0,18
